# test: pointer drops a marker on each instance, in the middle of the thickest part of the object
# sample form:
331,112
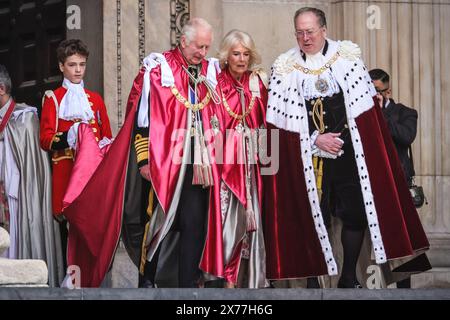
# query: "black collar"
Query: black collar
324,51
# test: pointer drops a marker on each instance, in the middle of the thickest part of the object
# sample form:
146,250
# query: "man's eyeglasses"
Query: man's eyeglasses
302,33
382,90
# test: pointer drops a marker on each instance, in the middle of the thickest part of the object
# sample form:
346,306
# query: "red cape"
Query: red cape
234,173
167,115
95,216
292,244
96,219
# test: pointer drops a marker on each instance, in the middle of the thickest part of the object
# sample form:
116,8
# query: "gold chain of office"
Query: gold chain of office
322,69
194,107
239,117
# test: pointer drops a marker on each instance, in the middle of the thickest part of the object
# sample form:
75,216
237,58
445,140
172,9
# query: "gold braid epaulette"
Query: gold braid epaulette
141,146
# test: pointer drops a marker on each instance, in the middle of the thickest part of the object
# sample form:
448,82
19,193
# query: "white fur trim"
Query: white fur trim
310,181
349,50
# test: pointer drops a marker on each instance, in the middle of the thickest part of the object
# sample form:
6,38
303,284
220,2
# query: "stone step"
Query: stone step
222,294
124,274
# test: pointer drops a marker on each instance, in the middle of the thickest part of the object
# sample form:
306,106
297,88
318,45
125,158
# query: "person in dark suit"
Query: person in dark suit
402,123
401,120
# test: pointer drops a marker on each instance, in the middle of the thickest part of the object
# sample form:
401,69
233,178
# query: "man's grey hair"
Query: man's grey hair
317,12
5,79
190,28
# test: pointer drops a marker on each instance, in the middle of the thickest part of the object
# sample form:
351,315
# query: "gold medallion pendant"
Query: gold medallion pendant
239,128
321,85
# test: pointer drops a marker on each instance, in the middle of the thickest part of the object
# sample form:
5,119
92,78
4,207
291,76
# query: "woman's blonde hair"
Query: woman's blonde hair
233,38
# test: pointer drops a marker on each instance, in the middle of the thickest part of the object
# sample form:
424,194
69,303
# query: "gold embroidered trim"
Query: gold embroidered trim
62,154
141,146
142,156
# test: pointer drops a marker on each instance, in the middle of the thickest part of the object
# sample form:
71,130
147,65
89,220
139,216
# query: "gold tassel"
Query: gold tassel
250,217
207,171
247,148
198,177
249,213
318,172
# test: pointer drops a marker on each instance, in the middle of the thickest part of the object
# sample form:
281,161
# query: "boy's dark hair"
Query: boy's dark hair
379,74
70,47
317,12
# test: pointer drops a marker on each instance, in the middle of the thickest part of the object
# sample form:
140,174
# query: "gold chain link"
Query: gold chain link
239,117
187,104
318,71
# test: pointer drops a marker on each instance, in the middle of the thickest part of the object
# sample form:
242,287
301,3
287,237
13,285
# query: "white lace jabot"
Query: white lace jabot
75,104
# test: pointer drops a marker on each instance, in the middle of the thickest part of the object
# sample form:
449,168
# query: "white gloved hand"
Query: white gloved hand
72,135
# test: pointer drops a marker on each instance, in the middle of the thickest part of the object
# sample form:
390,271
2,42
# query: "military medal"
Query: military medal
322,85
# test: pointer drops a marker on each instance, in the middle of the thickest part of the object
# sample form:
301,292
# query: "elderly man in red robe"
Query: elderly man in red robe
163,195
177,123
337,158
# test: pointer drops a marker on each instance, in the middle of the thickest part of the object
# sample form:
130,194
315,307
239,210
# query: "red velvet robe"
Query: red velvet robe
234,173
293,248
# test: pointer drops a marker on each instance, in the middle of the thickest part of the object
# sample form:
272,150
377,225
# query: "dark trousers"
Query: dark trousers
190,221
191,224
342,194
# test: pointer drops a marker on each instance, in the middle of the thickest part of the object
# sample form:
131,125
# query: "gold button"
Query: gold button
96,139
313,101
91,104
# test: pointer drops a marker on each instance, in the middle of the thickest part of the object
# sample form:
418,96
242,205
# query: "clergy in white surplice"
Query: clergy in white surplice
25,186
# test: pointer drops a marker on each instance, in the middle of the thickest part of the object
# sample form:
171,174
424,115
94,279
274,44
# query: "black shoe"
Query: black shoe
146,284
354,285
214,283
312,283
